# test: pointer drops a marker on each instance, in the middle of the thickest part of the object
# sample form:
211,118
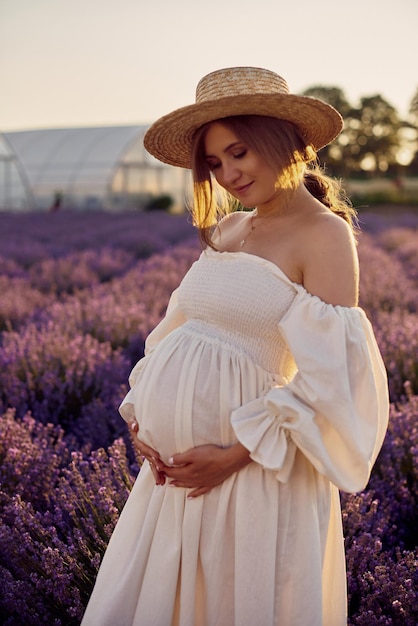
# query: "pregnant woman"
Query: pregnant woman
262,392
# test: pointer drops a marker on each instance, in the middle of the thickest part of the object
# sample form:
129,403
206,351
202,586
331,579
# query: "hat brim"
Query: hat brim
170,138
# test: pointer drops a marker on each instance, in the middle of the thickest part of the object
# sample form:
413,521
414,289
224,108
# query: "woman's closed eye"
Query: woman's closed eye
239,155
213,165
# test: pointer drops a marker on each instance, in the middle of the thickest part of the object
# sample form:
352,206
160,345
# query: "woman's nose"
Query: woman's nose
231,173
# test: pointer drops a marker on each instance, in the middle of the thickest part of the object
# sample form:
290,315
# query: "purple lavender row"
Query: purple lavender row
75,310
59,508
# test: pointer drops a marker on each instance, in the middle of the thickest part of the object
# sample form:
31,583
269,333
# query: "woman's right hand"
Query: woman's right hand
148,454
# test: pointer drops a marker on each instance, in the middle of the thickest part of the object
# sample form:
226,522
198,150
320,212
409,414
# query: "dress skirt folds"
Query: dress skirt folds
244,354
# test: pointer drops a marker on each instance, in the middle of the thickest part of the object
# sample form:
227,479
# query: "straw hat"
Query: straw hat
240,91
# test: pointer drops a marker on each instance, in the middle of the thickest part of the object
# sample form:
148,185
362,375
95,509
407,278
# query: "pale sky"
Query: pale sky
67,63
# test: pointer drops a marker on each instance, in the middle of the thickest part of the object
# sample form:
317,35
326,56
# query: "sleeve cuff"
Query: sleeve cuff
265,436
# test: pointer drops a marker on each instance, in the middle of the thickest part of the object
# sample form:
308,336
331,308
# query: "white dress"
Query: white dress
244,354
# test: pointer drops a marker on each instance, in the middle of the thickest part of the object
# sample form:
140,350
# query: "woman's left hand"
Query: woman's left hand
147,453
204,467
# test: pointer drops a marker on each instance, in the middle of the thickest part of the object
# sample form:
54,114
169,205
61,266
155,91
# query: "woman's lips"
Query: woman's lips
243,189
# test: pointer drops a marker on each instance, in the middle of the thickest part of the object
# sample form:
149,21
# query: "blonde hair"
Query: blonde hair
281,145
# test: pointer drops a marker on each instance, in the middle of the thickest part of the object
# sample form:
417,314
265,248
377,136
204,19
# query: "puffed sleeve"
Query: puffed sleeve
173,318
335,410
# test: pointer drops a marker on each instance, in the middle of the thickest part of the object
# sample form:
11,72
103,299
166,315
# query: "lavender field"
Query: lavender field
78,294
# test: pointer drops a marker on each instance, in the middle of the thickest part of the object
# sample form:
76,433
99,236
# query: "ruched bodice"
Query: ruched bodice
220,295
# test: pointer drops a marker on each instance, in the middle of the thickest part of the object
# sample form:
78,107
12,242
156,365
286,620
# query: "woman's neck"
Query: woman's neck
283,203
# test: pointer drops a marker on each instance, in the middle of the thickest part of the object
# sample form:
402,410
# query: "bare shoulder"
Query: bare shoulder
330,229
330,261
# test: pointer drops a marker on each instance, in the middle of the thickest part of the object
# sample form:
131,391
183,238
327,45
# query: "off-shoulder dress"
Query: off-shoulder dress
245,354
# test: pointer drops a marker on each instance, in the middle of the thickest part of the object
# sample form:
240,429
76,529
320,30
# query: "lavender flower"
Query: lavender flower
58,511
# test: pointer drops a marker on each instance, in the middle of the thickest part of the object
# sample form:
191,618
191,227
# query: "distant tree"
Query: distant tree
379,133
333,156
373,135
412,135
334,96
413,109
374,139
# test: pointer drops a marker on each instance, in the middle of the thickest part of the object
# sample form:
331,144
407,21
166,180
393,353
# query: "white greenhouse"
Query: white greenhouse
89,168
15,193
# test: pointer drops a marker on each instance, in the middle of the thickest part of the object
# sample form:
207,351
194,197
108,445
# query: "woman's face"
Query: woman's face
238,168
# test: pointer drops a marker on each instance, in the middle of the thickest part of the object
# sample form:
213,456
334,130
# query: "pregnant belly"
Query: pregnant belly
180,399
188,388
